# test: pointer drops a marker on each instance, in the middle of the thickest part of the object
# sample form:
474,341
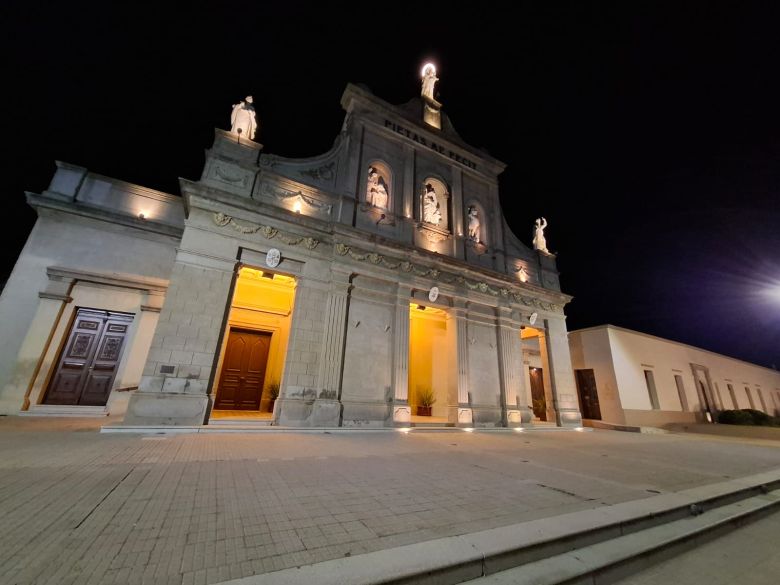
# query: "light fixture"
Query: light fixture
297,206
142,215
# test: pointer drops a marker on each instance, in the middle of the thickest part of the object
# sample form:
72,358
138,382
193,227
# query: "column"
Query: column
332,351
32,353
402,414
510,362
555,348
465,417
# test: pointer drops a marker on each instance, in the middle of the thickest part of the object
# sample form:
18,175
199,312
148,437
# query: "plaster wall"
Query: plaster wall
633,352
590,349
62,239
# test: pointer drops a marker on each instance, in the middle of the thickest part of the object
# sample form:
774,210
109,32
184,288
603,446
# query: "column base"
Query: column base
402,415
569,418
292,412
159,408
465,417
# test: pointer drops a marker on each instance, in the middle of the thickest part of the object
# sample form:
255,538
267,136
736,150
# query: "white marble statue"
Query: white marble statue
431,212
540,243
429,79
376,193
474,224
243,119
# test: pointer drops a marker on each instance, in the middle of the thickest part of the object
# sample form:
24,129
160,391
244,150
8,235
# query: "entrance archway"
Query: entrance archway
254,345
536,372
431,366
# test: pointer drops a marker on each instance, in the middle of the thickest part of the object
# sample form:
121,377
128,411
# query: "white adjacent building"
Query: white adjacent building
631,378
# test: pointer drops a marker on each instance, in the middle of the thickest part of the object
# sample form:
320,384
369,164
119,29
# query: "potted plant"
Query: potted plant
425,401
273,394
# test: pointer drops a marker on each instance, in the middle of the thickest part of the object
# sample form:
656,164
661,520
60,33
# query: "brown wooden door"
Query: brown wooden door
538,401
243,370
589,396
88,363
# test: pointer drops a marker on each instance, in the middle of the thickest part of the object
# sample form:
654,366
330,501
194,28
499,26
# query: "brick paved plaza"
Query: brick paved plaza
84,507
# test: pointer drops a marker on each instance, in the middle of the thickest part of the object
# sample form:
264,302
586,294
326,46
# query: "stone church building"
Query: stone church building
375,285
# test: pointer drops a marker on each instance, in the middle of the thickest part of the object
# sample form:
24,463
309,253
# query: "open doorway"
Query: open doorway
254,346
432,390
536,373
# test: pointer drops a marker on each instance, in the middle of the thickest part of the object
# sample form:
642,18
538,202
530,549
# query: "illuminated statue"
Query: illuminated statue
540,243
429,79
376,193
474,224
431,213
243,120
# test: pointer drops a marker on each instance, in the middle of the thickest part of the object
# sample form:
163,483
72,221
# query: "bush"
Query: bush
426,397
747,416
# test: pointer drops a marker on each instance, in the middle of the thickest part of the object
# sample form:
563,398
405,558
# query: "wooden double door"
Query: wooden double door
243,370
89,361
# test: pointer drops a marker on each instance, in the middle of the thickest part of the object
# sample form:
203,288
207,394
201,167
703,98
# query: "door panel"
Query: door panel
243,370
588,393
87,367
538,401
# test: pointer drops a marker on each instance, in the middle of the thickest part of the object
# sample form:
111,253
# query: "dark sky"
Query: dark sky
647,133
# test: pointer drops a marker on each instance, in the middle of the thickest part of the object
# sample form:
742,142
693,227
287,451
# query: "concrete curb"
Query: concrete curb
178,430
466,557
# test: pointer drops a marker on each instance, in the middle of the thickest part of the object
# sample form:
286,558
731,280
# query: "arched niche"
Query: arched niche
476,223
379,181
434,204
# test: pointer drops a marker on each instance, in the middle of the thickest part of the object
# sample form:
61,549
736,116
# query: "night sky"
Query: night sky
648,134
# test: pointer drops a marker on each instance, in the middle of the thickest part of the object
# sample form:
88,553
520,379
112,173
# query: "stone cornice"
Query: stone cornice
97,213
512,292
153,285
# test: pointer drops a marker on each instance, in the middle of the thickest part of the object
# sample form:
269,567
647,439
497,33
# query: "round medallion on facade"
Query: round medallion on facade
433,294
273,258
532,319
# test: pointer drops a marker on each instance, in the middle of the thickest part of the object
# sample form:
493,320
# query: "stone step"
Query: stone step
591,546
431,425
240,422
65,410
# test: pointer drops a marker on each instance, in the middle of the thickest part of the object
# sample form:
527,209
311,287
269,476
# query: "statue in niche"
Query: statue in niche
376,193
474,224
540,243
429,79
431,212
243,119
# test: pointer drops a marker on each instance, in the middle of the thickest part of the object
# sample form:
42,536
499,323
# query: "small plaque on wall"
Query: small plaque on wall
433,294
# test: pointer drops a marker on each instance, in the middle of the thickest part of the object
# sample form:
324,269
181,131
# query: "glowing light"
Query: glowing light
469,430
143,214
519,430
425,68
403,429
580,429
297,206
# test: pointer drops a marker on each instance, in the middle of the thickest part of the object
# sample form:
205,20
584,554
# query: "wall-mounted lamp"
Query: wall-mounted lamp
297,206
381,219
142,215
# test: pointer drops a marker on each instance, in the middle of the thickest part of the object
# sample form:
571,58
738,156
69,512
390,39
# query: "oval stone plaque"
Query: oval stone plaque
532,319
433,294
273,257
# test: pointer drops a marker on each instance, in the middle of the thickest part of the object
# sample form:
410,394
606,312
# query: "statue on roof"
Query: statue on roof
540,243
243,119
429,79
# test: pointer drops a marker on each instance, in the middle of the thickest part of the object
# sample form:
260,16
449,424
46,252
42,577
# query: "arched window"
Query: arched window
378,185
434,203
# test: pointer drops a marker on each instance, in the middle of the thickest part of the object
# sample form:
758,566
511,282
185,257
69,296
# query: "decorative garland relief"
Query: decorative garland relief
266,231
483,287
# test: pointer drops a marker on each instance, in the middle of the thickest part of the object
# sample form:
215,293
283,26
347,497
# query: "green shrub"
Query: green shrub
426,397
735,417
747,416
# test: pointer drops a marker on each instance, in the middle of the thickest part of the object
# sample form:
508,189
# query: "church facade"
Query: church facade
376,285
